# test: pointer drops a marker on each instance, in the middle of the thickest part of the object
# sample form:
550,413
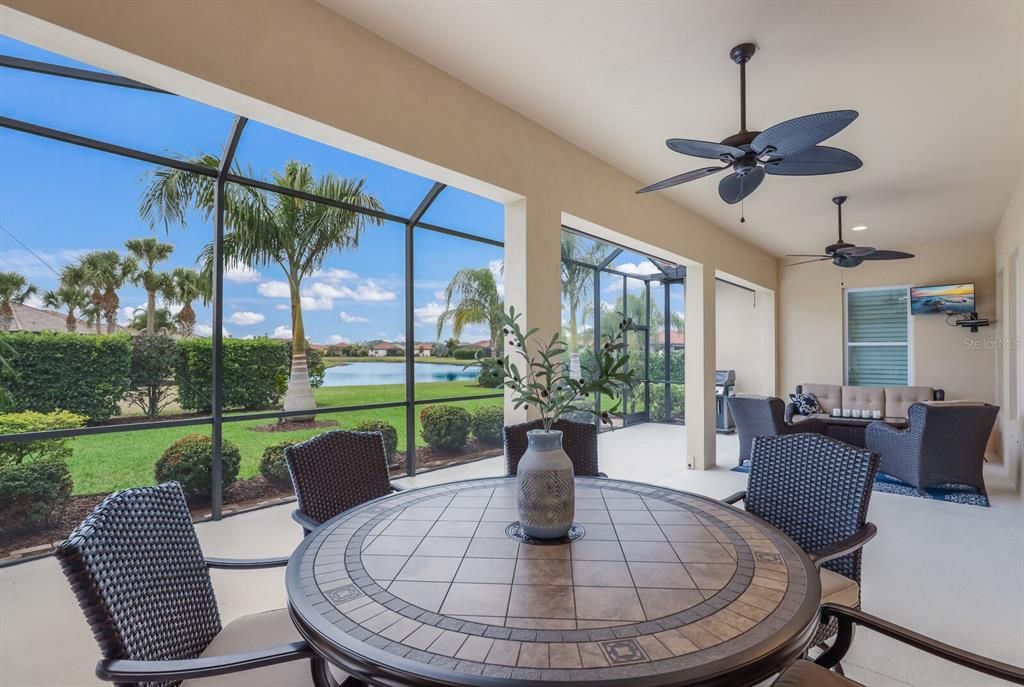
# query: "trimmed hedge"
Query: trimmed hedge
188,461
255,373
445,428
14,453
465,353
487,423
87,375
274,467
386,429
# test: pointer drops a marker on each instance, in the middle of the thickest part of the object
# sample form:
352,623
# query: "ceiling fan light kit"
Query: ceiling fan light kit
787,149
843,254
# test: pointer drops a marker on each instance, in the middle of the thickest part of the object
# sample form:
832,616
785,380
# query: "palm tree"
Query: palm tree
73,299
162,319
183,287
148,252
471,297
678,321
267,228
106,271
14,288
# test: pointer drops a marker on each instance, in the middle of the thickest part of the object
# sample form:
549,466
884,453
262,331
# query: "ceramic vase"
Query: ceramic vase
546,494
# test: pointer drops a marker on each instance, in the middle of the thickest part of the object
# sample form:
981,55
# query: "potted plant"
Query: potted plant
539,374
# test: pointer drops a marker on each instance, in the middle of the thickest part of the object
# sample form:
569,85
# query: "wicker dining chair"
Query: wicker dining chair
816,490
579,441
335,471
140,576
759,416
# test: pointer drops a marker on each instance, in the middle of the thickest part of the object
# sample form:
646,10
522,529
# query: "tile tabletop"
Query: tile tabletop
663,585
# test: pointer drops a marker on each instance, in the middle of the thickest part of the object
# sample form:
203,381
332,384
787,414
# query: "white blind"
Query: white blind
877,326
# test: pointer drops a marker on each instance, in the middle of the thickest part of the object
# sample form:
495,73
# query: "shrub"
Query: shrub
255,373
33,492
465,353
445,428
188,461
487,423
14,453
492,375
273,466
154,360
385,428
88,375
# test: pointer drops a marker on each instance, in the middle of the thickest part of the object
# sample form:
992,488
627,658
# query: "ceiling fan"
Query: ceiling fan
843,254
790,148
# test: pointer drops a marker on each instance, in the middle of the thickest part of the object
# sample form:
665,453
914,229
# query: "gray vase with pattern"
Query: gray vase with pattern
546,494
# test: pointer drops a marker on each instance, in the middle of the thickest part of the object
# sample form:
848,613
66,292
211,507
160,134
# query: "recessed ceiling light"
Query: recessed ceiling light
860,228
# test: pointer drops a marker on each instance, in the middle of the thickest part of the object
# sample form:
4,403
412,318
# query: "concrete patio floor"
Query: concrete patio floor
947,570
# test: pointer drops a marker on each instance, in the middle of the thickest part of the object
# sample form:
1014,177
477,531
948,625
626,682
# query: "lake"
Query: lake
366,374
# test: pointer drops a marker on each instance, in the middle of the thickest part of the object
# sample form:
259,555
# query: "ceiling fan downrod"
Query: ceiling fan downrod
741,54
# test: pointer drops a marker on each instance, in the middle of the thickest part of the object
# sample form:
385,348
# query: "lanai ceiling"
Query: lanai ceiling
939,87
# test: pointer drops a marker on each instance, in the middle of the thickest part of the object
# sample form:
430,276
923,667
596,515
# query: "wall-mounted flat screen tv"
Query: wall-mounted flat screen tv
946,298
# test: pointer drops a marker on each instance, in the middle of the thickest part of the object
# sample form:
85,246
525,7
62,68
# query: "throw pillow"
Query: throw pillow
806,404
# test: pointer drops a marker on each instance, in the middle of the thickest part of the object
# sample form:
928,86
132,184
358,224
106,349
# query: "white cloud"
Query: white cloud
246,318
207,330
282,306
334,275
337,339
127,313
347,317
429,313
32,267
281,332
310,303
34,300
497,269
240,274
274,289
439,295
643,267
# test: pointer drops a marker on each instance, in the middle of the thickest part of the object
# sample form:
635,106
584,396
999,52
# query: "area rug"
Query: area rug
954,493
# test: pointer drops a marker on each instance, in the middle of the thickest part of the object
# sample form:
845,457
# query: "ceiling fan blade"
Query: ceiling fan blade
814,161
795,135
808,255
856,251
736,187
804,262
712,151
888,255
682,178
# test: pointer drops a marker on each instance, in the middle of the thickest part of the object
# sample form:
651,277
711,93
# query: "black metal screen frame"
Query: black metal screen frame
222,176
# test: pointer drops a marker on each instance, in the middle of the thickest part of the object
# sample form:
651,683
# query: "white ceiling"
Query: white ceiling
939,87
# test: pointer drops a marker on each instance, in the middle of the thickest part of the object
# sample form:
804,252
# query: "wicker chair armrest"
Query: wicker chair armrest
601,474
848,617
124,671
246,563
811,425
308,523
790,412
735,498
845,547
882,438
396,488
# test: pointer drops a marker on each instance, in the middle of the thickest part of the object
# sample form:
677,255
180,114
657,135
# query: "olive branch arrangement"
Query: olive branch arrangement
546,382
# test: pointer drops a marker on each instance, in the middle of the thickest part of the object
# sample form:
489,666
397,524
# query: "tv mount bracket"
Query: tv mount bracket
972,321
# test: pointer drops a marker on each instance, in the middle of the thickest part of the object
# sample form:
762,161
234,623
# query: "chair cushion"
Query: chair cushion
899,398
807,674
829,395
806,403
257,631
864,398
838,589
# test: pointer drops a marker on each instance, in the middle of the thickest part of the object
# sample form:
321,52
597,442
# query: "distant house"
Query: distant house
423,350
484,345
29,319
676,340
385,349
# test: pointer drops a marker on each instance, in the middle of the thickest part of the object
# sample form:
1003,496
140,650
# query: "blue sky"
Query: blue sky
60,201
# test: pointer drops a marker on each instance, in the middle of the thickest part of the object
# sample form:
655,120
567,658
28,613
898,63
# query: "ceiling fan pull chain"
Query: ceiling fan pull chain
742,212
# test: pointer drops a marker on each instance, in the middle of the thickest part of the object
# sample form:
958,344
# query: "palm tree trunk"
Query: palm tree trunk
187,320
574,337
110,305
300,392
71,322
6,317
150,312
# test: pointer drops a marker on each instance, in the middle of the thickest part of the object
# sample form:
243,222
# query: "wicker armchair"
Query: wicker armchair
764,416
945,444
579,441
817,674
816,490
335,471
140,577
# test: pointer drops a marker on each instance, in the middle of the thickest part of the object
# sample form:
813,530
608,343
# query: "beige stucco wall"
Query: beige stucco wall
296,65
1009,258
740,337
951,358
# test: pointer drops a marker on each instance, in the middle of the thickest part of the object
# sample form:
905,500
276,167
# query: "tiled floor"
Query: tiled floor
950,571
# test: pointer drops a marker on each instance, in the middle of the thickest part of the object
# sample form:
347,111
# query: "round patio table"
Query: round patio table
430,587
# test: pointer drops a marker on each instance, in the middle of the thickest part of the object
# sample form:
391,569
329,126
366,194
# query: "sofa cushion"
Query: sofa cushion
829,395
898,399
806,404
839,589
807,674
864,398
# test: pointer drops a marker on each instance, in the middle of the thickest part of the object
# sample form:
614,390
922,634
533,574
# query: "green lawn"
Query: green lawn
108,462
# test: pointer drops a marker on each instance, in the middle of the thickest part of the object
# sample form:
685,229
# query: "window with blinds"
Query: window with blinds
877,337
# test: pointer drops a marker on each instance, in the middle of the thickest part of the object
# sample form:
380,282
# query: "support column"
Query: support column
700,367
532,272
